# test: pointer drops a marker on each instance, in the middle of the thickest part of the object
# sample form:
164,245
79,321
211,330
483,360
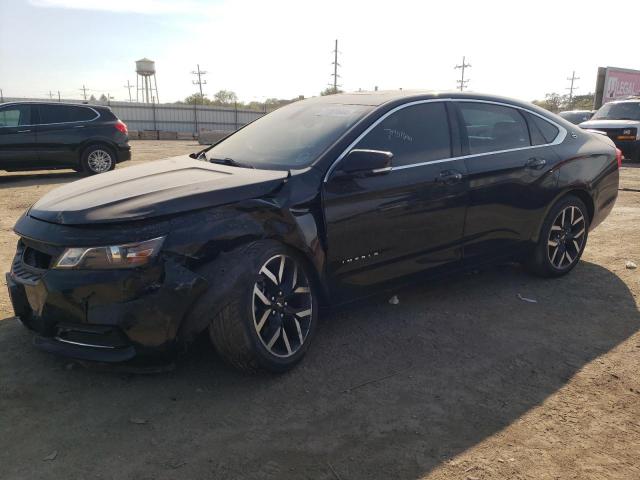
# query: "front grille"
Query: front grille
24,272
36,259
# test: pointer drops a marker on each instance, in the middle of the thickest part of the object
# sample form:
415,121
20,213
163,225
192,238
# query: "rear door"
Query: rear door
509,159
61,131
403,221
17,137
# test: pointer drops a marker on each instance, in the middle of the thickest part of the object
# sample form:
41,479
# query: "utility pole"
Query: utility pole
50,95
1,96
335,69
128,86
572,88
462,83
84,92
59,96
200,81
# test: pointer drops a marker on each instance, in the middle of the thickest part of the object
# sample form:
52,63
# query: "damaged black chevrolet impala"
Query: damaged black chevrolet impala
320,202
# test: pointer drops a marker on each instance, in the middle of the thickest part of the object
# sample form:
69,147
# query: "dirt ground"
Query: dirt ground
460,380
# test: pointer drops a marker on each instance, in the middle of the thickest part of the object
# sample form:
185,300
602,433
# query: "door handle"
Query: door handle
23,131
449,177
535,163
79,126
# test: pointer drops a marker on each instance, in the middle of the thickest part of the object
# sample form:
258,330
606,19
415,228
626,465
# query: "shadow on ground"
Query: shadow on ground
386,391
29,179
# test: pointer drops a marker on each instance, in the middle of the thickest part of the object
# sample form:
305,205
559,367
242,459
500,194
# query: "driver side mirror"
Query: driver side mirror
365,163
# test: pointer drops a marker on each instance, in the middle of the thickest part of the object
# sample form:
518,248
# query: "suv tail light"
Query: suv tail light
619,157
122,127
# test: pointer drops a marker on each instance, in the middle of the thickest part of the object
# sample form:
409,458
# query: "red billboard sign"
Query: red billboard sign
620,83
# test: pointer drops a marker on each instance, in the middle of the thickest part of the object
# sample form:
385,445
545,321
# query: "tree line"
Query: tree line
555,102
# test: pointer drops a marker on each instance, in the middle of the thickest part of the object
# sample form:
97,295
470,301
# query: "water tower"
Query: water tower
146,83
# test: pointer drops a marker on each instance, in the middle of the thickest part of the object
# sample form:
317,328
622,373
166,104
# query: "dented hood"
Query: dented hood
154,189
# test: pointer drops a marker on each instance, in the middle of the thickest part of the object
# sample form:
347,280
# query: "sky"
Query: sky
283,48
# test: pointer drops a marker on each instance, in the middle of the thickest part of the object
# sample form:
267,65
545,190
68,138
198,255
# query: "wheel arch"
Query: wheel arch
97,142
581,192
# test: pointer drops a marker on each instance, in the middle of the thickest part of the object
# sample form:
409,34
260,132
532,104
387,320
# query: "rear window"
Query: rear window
65,113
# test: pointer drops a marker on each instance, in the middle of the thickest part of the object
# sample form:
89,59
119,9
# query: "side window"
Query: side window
15,116
65,113
414,134
81,114
542,132
491,128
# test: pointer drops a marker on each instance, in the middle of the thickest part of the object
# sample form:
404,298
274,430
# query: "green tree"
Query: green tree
198,99
330,91
225,97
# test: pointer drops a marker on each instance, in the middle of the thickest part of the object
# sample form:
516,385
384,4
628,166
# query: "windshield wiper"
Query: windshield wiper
230,161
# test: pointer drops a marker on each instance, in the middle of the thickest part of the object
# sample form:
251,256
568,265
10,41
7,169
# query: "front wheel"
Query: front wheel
562,239
270,315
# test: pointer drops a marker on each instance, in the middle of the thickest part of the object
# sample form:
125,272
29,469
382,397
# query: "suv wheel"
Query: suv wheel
271,312
562,239
97,159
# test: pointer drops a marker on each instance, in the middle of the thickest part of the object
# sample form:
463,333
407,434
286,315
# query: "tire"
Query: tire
560,245
97,159
268,317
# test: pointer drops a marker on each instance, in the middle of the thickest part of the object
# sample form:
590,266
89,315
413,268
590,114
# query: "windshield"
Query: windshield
290,137
618,111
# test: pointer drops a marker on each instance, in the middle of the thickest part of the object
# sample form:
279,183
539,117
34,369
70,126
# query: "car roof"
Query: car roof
381,97
35,102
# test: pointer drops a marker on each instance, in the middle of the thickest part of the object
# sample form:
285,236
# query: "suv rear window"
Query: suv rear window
65,113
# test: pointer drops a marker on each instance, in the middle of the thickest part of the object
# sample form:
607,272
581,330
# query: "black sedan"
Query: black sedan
320,202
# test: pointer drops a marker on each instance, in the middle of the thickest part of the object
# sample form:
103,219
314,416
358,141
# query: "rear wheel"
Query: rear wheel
562,239
270,315
97,159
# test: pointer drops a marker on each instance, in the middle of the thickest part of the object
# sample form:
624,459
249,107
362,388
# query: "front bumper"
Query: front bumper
103,315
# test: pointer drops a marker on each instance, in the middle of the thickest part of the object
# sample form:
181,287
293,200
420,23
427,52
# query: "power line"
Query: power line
572,87
462,83
200,81
335,69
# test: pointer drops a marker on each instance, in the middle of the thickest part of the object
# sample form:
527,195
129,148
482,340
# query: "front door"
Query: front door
17,138
401,221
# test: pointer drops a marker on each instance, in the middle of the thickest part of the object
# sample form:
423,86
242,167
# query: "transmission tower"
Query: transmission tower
200,81
335,75
462,83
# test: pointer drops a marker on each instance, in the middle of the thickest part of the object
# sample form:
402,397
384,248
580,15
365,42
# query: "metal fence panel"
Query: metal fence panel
173,117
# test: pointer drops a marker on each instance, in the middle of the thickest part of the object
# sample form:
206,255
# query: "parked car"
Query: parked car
576,116
38,136
320,202
620,120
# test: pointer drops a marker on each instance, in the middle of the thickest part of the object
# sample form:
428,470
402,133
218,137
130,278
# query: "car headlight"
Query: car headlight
115,256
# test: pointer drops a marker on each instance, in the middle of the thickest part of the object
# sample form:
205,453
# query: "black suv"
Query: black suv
35,136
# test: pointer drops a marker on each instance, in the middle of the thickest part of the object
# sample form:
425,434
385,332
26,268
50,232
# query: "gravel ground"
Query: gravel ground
460,380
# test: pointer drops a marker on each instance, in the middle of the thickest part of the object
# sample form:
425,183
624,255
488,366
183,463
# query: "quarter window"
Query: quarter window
414,134
15,116
542,132
65,113
491,128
